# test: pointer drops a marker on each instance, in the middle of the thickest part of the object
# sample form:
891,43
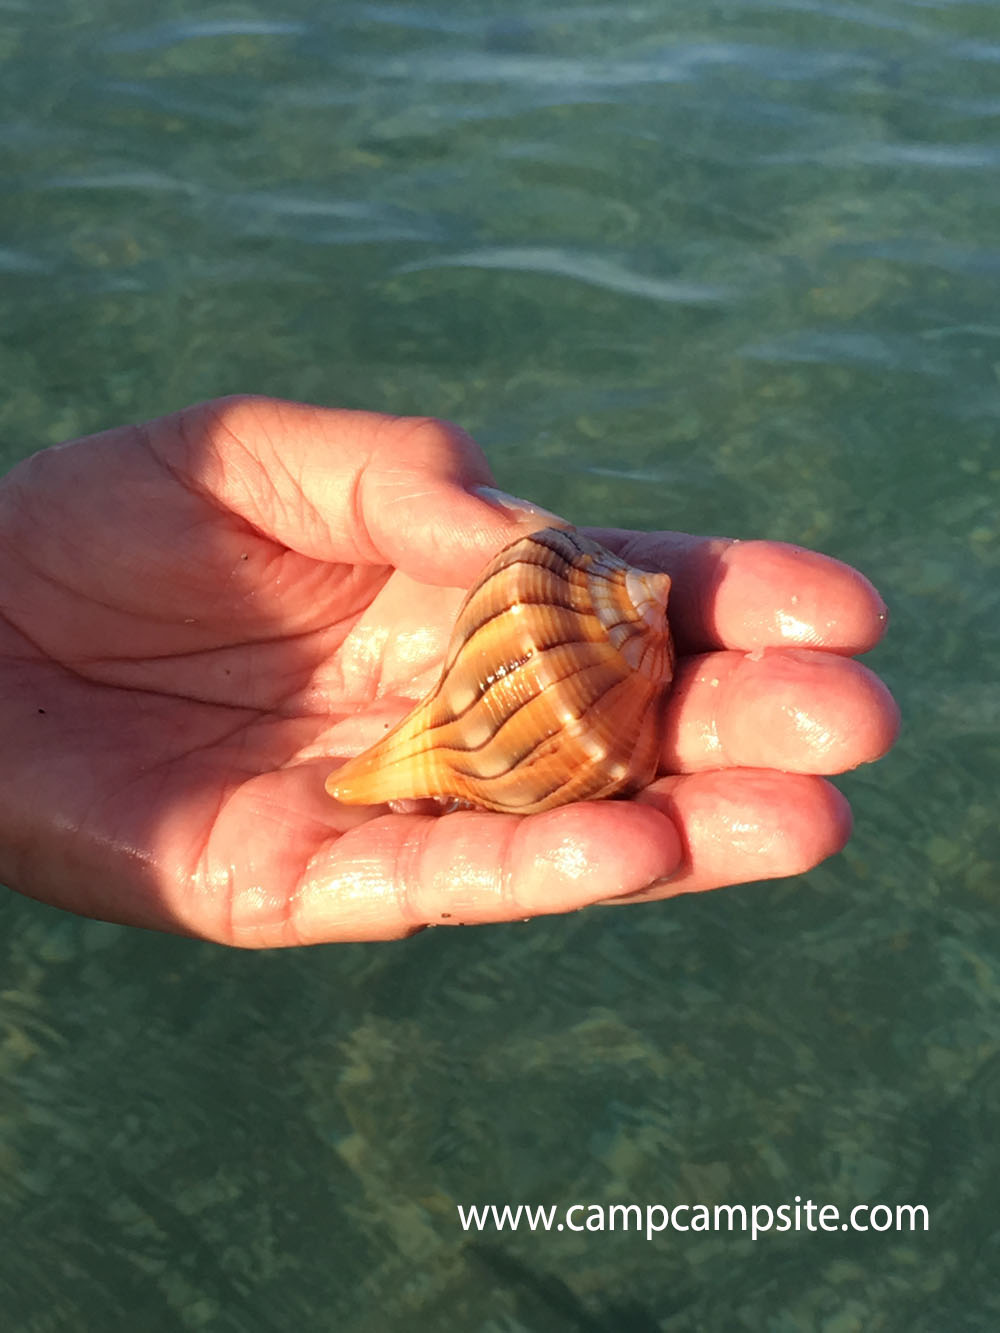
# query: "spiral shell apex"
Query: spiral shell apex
553,689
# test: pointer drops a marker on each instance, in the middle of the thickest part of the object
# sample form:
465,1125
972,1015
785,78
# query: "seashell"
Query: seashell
553,689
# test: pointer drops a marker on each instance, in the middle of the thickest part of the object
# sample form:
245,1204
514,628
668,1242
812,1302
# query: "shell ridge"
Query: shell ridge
508,607
547,684
523,561
563,542
639,624
608,787
537,650
646,664
526,754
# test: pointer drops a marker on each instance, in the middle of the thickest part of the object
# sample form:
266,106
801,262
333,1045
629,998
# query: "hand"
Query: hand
198,613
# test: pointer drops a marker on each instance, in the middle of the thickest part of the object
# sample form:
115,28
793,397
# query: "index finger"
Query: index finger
752,595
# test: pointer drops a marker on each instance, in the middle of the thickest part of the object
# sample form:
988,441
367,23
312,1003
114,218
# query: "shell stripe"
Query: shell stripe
528,703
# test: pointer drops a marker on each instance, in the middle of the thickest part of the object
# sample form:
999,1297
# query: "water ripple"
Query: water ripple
852,347
166,98
315,220
864,15
928,253
985,52
127,178
674,64
946,157
438,20
592,269
19,261
163,35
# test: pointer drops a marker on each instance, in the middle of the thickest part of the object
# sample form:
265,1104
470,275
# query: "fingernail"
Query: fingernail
513,507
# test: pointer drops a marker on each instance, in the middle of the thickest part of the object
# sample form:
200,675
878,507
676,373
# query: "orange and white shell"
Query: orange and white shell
553,689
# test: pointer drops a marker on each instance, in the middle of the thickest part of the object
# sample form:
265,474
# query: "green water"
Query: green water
728,268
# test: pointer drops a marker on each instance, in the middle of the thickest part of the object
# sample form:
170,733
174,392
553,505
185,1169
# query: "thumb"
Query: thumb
361,488
428,506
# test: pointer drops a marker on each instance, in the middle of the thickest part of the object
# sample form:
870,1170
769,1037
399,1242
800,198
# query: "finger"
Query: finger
757,594
361,488
741,826
398,873
792,709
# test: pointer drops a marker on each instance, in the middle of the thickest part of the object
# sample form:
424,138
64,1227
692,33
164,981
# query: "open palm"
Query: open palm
201,615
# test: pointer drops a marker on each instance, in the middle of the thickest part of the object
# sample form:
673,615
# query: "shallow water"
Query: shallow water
727,269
